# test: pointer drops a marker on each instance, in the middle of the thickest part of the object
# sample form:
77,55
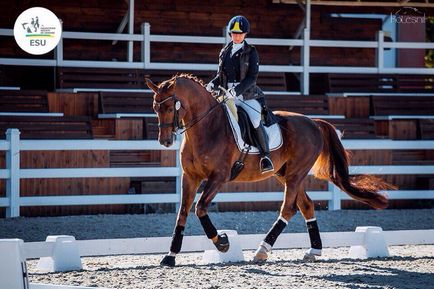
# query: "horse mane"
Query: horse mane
189,76
164,86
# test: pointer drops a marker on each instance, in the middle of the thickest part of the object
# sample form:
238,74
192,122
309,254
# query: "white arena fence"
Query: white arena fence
63,253
13,173
145,39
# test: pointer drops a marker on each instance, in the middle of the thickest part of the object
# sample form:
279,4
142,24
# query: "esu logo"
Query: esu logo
38,42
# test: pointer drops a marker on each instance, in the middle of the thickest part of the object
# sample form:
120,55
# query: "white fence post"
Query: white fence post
380,51
58,52
146,45
305,62
335,202
13,164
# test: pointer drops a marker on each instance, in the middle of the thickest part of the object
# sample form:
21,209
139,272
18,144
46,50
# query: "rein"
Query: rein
175,124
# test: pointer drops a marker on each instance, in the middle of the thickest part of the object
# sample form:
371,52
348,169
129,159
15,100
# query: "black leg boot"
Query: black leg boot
265,164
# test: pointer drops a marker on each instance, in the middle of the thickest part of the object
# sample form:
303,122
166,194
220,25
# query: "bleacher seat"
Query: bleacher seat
126,102
100,78
355,128
68,127
23,101
379,83
402,105
304,104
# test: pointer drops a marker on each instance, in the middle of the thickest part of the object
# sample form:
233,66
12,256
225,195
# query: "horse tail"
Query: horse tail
332,165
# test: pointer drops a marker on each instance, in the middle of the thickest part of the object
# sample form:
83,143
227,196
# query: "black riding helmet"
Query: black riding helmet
238,24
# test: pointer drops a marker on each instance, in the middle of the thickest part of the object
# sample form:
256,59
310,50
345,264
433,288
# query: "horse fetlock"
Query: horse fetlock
314,252
222,243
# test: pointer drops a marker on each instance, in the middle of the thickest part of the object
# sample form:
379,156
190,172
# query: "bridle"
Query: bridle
175,124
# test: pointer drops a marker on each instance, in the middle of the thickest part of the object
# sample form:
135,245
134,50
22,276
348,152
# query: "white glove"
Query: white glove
209,87
230,93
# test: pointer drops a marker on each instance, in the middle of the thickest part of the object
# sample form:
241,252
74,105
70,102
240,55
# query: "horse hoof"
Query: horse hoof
168,261
310,255
309,258
261,255
222,243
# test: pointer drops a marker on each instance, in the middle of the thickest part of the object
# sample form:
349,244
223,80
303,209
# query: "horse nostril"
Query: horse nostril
167,143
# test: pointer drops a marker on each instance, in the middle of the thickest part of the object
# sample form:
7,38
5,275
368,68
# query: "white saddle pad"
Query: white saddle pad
274,134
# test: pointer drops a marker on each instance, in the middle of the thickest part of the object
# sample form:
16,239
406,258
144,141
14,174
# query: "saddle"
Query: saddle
245,137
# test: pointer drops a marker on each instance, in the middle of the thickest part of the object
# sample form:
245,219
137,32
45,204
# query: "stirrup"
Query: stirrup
266,168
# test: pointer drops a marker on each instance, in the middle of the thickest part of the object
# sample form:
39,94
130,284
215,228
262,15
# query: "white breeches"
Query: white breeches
253,109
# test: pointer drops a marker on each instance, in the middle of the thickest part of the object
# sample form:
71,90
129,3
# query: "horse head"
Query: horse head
182,98
168,108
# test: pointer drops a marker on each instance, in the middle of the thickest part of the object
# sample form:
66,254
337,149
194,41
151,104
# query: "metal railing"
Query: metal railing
145,39
13,173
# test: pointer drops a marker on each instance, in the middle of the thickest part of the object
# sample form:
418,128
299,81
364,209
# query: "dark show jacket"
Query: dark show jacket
248,70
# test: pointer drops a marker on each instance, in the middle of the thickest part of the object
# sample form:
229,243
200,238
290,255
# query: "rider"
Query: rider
237,72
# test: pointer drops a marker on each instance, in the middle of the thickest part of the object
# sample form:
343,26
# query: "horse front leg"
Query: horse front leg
189,187
307,209
221,241
287,210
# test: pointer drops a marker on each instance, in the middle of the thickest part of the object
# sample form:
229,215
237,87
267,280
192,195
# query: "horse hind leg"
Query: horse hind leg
306,207
287,210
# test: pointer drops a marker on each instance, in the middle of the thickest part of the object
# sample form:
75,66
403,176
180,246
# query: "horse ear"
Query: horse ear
151,85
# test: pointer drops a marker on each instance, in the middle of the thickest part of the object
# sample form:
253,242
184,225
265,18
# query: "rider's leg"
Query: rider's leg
253,109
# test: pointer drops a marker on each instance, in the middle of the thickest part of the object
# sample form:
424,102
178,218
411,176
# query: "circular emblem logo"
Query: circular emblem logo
37,30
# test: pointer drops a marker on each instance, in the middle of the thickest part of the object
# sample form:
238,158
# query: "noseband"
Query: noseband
176,107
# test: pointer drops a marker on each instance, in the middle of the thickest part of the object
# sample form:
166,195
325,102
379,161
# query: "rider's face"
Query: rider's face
238,37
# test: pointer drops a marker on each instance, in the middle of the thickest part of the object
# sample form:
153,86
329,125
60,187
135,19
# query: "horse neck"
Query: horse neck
205,115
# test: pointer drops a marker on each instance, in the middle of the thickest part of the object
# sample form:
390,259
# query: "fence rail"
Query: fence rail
145,39
12,173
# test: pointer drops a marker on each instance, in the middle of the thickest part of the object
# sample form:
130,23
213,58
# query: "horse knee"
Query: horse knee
287,213
200,210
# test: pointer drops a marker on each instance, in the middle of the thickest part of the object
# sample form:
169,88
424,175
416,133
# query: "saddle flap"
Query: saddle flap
245,128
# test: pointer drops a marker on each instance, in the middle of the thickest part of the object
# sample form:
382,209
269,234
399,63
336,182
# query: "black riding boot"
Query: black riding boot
265,164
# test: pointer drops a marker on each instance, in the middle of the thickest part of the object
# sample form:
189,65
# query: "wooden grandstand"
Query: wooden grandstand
114,103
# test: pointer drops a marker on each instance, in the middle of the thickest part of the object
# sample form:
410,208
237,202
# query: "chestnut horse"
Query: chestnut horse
208,152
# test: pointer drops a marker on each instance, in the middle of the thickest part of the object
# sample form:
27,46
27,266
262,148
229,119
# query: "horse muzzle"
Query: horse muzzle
167,142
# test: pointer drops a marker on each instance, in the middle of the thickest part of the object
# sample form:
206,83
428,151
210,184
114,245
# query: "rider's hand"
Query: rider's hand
209,87
230,93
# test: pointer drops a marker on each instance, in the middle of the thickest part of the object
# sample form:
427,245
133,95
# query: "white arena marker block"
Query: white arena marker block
374,244
13,269
65,255
234,254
